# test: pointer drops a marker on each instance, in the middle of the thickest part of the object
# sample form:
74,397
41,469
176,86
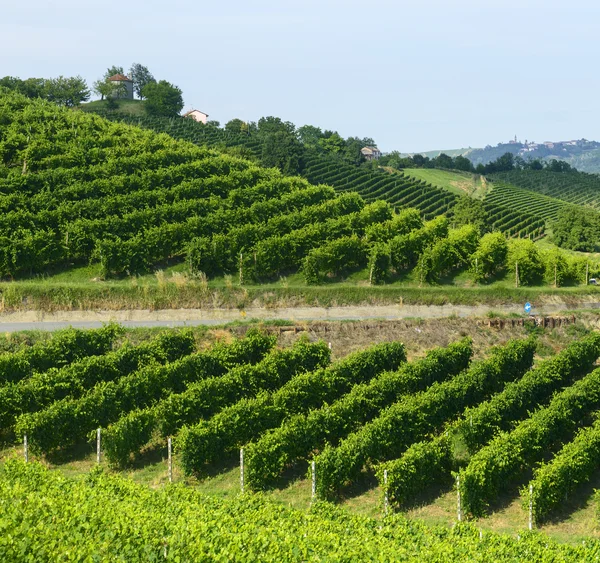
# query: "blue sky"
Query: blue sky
420,75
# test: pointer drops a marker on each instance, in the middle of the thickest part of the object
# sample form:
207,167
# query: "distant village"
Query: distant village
531,146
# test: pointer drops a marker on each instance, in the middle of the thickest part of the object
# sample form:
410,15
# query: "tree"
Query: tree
163,99
470,211
270,124
141,76
67,92
443,161
309,135
236,126
333,144
282,150
577,229
109,91
111,71
463,163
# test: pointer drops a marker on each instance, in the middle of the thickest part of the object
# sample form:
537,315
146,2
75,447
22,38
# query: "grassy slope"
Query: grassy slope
460,183
132,107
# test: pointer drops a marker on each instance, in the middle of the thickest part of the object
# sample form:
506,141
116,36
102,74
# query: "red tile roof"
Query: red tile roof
120,78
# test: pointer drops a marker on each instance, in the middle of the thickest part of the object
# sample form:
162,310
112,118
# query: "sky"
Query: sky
414,76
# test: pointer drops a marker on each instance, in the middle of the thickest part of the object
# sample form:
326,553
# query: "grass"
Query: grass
577,522
130,107
82,288
460,183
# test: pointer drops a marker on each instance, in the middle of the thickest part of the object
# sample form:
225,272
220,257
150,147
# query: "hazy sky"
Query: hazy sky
418,75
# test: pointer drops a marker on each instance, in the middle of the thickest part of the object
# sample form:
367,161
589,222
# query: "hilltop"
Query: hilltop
581,154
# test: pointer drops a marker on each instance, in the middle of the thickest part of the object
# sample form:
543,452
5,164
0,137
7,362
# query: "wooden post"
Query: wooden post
516,274
242,469
587,272
170,458
98,445
386,499
531,507
555,274
241,271
458,500
25,448
329,344
313,470
476,267
371,275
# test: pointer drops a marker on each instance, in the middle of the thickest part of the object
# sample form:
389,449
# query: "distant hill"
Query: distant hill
581,154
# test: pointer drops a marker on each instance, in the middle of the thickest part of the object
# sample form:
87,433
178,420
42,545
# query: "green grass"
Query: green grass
460,183
172,289
129,107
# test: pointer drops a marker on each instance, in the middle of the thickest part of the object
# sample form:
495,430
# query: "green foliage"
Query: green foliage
422,466
107,517
141,77
335,257
448,254
470,211
236,425
480,423
490,257
577,229
504,458
66,346
379,263
573,466
302,434
416,416
524,253
202,399
68,421
75,379
162,98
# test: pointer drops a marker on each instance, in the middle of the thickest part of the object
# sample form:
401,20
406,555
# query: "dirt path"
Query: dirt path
30,320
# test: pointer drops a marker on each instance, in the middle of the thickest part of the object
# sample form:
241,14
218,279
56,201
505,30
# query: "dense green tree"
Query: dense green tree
282,150
310,135
67,91
30,87
443,161
163,99
236,126
577,229
332,144
463,163
270,124
141,76
112,70
557,267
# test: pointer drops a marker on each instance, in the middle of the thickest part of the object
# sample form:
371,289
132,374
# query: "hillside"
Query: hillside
412,421
583,155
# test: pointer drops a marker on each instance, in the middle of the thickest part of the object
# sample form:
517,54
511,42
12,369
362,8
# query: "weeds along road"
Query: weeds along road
38,320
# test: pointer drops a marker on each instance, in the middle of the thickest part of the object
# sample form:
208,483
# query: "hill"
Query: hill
581,154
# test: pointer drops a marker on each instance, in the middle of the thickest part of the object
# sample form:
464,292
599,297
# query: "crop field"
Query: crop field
577,188
408,428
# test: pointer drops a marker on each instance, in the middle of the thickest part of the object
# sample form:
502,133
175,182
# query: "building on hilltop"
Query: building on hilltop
197,115
370,153
126,94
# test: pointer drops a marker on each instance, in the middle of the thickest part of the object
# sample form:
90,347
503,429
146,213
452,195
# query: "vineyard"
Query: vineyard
412,424
506,210
577,188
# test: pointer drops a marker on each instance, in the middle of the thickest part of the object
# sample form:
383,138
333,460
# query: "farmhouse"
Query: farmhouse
370,153
198,115
127,94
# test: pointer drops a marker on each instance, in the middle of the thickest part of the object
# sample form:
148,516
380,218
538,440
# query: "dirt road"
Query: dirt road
30,320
